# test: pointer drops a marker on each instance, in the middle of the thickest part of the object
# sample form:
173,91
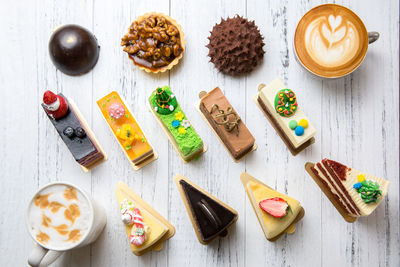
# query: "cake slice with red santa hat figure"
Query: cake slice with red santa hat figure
73,130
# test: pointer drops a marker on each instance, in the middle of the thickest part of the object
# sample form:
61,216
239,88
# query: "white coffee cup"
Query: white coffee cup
43,255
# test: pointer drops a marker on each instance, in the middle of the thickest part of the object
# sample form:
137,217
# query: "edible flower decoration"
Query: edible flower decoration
128,134
175,123
179,116
186,124
182,130
369,190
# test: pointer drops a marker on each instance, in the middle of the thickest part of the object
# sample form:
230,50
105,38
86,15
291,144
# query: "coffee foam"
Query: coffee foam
331,40
59,216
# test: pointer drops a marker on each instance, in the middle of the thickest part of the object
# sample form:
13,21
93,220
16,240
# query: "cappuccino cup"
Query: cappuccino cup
61,217
331,41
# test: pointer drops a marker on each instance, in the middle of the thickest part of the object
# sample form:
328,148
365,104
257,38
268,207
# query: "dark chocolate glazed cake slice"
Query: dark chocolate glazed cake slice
74,134
209,216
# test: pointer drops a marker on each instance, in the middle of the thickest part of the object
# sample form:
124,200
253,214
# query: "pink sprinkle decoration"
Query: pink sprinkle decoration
291,94
116,110
279,102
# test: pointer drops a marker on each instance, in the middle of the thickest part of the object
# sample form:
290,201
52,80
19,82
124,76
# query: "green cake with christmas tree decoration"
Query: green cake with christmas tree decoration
173,120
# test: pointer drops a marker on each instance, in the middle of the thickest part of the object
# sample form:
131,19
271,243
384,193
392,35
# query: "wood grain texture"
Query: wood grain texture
356,117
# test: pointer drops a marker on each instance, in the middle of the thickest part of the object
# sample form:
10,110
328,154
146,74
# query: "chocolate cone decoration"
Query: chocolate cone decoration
236,46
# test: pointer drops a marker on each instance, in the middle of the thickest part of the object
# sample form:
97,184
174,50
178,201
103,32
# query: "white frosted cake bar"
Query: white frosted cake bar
291,116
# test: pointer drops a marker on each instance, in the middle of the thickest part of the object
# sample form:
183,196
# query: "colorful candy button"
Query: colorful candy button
361,178
299,130
303,123
293,124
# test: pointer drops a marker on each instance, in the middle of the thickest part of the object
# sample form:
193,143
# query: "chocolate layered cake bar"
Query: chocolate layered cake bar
73,130
226,123
354,192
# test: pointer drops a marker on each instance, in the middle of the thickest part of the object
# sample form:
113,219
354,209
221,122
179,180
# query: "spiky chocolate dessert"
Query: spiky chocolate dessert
236,46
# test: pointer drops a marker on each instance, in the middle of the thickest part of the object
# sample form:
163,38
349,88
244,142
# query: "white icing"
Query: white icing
267,95
53,106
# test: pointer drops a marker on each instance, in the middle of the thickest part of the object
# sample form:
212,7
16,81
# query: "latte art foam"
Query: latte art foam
59,216
331,41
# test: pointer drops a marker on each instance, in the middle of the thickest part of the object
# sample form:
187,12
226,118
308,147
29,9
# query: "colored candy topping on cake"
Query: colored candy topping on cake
369,190
55,105
164,103
351,189
285,102
175,122
131,216
129,135
277,207
298,127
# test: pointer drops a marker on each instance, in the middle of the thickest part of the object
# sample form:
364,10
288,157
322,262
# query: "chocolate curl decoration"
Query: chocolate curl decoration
229,125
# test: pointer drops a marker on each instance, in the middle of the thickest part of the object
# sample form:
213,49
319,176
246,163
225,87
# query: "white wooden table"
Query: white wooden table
357,121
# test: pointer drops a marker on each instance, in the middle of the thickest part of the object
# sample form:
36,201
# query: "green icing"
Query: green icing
369,191
285,102
190,141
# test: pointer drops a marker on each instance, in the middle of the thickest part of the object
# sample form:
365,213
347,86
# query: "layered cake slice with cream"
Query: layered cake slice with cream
277,213
280,105
226,123
356,193
146,228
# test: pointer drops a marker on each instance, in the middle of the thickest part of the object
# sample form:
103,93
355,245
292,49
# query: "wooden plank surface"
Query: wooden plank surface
356,117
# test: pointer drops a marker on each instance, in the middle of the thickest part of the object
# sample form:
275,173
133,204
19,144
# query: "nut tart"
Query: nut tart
210,216
276,212
155,42
126,130
353,193
146,229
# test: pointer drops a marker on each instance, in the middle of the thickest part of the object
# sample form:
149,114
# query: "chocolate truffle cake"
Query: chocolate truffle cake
226,122
73,130
356,193
236,46
210,217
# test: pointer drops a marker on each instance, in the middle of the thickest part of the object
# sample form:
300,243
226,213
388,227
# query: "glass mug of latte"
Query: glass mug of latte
331,41
61,217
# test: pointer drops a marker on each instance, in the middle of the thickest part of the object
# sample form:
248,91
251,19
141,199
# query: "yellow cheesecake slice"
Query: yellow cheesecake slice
152,226
272,226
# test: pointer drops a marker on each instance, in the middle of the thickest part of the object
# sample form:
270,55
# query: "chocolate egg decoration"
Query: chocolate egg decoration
73,49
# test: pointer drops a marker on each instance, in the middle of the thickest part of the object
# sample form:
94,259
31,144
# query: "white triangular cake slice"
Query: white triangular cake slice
144,226
273,221
356,192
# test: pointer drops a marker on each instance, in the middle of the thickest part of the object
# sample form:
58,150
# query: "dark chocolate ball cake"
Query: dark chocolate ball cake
236,46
